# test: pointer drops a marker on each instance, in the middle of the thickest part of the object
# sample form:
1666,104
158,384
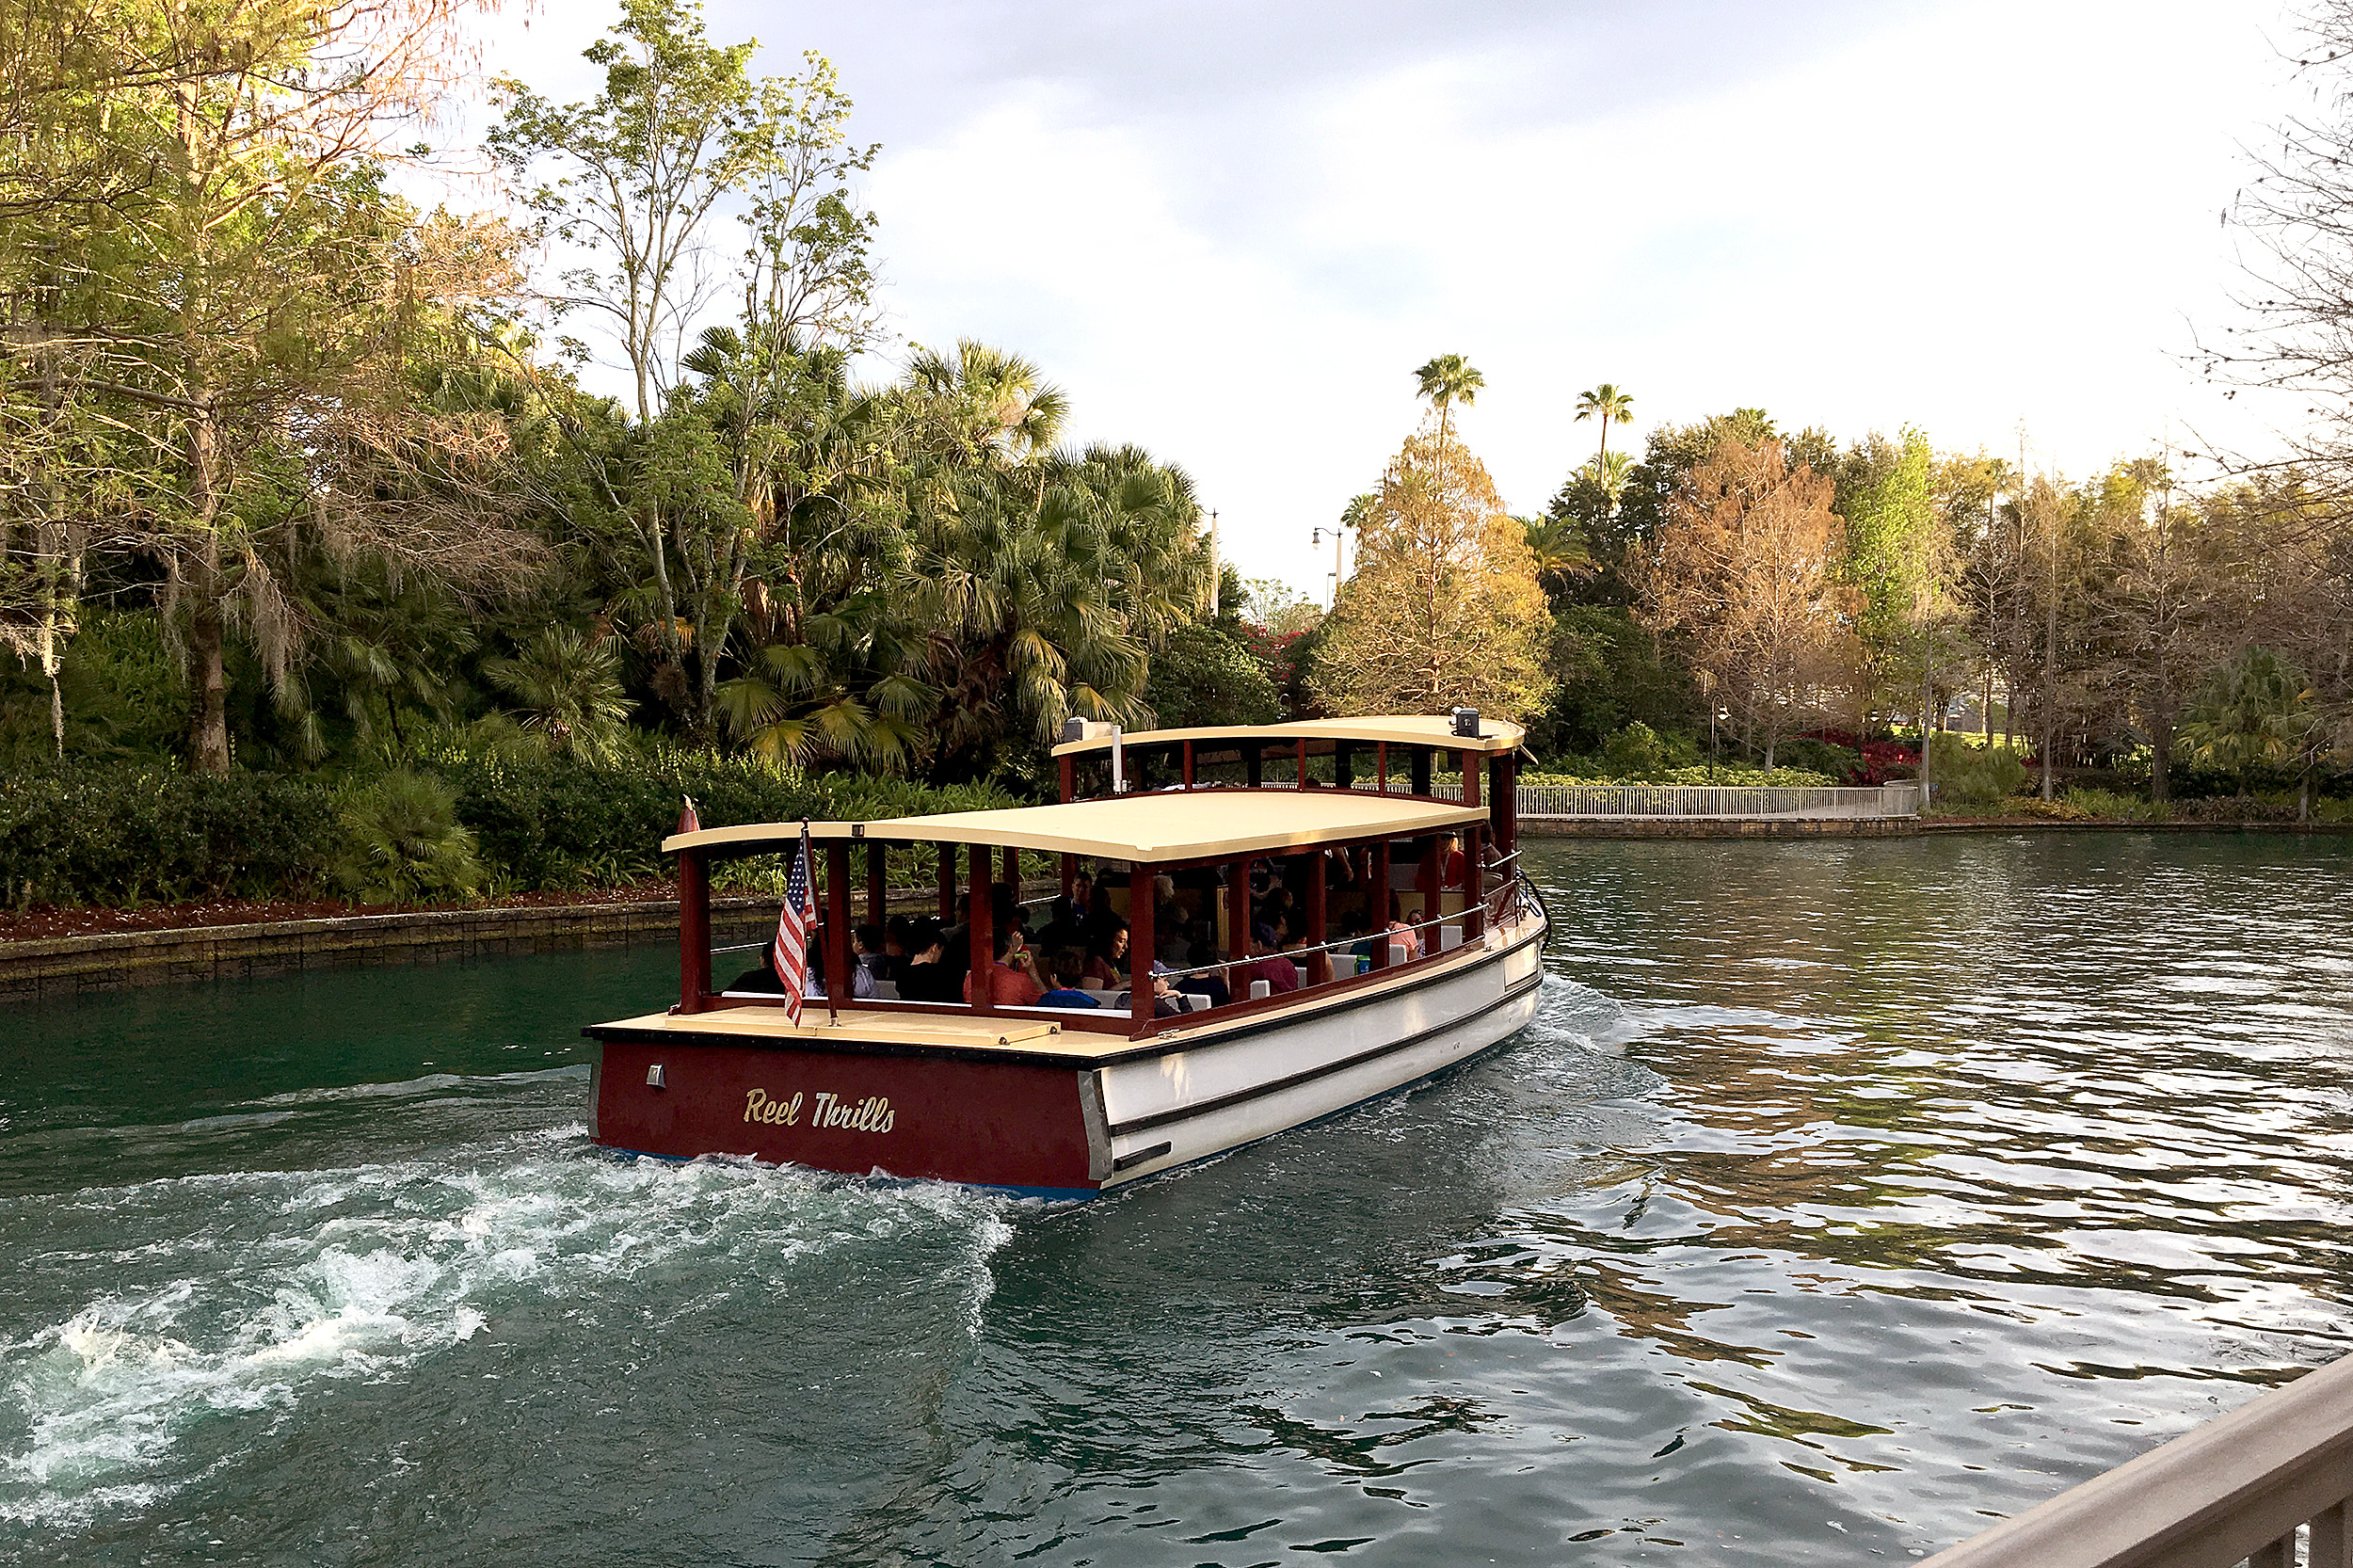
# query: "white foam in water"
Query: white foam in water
361,1273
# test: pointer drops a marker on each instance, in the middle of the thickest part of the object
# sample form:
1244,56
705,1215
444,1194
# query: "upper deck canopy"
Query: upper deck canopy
1408,730
1163,827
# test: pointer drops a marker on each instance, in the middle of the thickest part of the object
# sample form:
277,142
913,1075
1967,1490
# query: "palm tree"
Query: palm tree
1608,473
1558,553
2254,710
1446,379
570,689
1604,403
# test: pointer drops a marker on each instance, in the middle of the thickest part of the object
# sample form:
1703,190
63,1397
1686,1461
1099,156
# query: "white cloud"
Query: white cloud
1232,238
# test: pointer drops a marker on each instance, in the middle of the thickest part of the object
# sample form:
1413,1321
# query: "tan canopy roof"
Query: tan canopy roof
1171,826
1411,730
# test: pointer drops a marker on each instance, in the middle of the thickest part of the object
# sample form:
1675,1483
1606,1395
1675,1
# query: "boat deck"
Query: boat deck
1017,1035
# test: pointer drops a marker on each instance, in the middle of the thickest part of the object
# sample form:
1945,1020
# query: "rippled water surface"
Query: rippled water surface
1844,1196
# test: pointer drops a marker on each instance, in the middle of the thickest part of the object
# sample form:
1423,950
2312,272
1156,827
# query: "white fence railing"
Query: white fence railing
2244,1488
1743,803
1707,800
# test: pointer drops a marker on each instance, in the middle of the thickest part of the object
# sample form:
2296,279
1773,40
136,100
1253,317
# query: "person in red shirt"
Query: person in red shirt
1013,977
1267,964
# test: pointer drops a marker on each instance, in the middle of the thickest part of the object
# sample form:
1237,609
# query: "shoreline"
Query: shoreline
63,967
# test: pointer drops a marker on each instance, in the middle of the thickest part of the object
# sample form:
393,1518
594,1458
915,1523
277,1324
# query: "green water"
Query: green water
1842,1196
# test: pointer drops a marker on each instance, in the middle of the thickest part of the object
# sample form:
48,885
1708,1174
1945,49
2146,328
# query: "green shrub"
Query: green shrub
2113,807
124,833
121,833
1582,772
1634,752
1812,756
403,844
1974,775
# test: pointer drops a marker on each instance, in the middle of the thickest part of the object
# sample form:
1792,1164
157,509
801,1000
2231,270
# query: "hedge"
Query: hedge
124,833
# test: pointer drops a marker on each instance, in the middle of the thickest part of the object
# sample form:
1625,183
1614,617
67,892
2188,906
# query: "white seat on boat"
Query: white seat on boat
1261,989
1398,954
887,989
1450,938
1195,1001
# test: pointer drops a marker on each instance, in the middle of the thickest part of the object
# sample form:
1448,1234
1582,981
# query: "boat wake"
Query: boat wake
237,1297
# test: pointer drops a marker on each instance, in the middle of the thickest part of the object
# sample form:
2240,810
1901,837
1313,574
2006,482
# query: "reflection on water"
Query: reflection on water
1842,1196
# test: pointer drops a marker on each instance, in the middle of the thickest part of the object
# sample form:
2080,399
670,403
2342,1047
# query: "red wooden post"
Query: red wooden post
838,918
1237,913
877,904
1379,903
1188,764
693,930
1013,872
947,882
1506,809
1471,761
1429,878
1140,948
1474,881
1069,774
1318,964
1069,876
1381,764
984,938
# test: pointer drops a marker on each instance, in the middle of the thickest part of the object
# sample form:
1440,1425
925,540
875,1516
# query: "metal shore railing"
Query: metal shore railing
2248,1487
1710,802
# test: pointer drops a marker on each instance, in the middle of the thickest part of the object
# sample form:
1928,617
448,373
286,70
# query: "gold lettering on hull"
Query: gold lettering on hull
870,1115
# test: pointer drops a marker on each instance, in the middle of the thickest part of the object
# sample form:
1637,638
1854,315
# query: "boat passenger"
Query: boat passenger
1442,865
862,978
898,944
1107,964
1401,932
927,976
871,953
1011,979
1269,965
762,981
1068,968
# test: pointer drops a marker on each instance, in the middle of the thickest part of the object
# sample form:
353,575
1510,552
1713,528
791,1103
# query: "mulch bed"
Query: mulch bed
43,921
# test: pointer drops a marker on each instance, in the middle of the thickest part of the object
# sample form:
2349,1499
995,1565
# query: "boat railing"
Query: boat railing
2247,1487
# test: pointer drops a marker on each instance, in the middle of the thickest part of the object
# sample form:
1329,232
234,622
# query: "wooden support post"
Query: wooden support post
1254,762
1318,964
877,896
1188,764
1013,872
983,984
693,930
1237,914
1421,769
1381,765
1379,905
1069,876
1471,763
1141,946
1429,878
1069,774
1342,755
1504,801
1474,881
838,919
947,882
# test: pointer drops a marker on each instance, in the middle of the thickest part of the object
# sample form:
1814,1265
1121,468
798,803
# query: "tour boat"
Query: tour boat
1071,1102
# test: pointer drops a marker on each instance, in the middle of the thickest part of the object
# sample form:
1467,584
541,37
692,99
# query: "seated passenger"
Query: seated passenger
927,976
1069,968
1266,964
1011,979
1107,965
763,980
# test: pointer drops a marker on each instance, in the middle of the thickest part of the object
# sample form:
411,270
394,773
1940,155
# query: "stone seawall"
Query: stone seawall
1716,827
73,965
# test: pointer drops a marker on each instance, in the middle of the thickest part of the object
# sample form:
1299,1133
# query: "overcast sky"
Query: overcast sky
1230,231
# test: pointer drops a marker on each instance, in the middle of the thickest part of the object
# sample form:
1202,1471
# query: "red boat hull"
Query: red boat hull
990,1123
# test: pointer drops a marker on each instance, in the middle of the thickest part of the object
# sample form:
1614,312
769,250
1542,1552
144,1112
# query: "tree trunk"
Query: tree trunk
2160,752
209,748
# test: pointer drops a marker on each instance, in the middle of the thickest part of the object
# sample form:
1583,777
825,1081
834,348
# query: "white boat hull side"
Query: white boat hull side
1203,1102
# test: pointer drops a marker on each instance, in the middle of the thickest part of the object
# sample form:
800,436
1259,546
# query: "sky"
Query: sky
1231,231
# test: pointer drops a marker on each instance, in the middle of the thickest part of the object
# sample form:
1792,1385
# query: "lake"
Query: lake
1845,1196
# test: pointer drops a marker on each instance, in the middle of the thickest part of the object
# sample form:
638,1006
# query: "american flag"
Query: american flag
792,923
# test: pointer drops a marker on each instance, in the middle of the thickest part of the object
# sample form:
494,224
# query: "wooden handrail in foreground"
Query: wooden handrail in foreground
2239,1489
